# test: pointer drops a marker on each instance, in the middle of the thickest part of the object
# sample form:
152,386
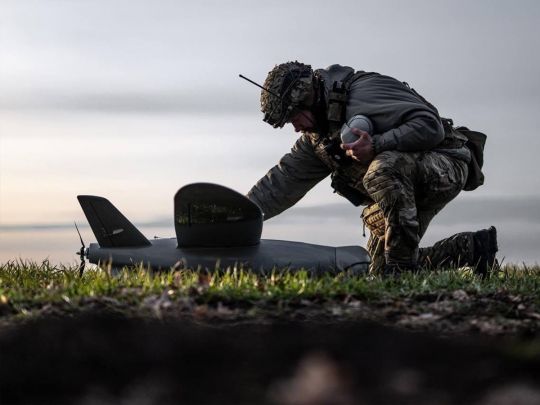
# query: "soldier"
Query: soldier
412,166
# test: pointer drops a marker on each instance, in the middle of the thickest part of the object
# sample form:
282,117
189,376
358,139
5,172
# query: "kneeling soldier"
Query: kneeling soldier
412,165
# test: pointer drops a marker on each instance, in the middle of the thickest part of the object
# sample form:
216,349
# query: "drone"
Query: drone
216,227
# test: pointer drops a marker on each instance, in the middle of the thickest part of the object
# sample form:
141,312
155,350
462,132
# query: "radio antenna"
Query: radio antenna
262,87
276,95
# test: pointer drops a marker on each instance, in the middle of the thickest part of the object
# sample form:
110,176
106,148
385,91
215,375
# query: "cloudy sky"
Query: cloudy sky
133,99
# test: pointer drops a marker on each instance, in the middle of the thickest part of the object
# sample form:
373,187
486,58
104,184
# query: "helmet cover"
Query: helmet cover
291,87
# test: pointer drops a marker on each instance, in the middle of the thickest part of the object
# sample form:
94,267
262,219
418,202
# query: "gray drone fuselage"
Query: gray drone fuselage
216,227
268,254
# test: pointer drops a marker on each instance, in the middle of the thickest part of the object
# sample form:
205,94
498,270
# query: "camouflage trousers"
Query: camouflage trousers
408,190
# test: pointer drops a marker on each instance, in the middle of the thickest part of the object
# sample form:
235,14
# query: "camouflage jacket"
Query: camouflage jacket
402,121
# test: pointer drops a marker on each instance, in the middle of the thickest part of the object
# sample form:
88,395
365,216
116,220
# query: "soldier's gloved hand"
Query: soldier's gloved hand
362,148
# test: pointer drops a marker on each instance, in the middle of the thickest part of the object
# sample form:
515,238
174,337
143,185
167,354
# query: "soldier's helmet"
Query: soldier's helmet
291,88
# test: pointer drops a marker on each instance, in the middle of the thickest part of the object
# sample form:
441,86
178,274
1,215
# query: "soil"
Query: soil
437,351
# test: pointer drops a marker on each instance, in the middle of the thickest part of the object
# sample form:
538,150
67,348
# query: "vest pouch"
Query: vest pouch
341,185
475,142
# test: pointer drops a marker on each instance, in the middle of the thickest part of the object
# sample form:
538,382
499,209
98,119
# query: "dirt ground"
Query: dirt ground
171,352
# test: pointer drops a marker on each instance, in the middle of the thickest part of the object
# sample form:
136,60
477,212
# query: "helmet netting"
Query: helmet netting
293,83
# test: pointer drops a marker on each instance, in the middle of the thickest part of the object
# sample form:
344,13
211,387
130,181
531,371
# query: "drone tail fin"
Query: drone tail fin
111,228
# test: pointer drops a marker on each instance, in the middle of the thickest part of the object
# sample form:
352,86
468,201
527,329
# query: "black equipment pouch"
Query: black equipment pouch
453,139
333,149
337,103
475,142
337,100
344,189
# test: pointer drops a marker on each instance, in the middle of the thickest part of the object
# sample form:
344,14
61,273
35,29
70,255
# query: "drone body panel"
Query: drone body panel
265,256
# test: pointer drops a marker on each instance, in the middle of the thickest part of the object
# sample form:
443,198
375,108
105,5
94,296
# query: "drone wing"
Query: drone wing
111,228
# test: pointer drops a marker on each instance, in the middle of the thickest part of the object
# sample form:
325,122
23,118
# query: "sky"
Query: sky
133,99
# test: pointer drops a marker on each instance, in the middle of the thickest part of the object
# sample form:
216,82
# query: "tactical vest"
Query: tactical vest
347,174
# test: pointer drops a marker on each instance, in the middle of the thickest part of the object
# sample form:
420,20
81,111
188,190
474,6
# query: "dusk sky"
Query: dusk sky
133,99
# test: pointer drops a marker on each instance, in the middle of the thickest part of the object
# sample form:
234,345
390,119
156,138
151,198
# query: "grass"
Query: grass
27,284
452,301
448,303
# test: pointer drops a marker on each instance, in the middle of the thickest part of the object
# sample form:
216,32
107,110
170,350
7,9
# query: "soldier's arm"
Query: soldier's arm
286,183
404,121
421,131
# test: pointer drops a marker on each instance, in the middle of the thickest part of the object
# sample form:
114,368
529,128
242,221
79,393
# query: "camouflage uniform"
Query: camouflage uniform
418,168
409,189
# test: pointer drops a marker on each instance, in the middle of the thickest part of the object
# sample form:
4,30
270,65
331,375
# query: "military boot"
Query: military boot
485,249
396,270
